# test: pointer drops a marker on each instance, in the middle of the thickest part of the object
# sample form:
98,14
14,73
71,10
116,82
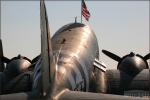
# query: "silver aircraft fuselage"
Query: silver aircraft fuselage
75,47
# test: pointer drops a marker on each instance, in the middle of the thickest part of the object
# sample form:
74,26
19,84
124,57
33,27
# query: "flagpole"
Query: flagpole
81,11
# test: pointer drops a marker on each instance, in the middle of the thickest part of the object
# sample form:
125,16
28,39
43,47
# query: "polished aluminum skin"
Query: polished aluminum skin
75,47
68,68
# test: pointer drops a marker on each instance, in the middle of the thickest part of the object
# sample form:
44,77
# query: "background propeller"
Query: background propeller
5,59
146,57
111,55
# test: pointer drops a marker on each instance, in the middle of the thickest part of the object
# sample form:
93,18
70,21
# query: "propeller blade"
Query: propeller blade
111,55
47,63
34,60
146,57
5,59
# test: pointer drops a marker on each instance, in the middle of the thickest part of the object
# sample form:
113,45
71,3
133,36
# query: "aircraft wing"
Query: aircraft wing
77,95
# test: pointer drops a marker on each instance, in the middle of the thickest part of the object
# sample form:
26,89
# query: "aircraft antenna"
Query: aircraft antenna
76,19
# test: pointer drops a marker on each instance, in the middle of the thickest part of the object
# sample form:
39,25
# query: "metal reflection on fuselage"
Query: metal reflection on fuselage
78,46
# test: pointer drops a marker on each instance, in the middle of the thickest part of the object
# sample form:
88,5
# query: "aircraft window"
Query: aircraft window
70,26
63,41
60,30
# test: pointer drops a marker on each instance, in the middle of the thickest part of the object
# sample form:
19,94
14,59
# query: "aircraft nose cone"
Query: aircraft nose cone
132,65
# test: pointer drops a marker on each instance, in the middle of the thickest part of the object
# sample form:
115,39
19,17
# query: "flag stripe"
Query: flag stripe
85,11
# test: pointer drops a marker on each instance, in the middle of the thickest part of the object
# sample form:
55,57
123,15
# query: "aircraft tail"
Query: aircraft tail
47,66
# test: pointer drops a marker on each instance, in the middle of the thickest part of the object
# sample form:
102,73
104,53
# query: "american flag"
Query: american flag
85,11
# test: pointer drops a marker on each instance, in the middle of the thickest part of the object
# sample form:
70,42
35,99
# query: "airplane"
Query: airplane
68,67
132,75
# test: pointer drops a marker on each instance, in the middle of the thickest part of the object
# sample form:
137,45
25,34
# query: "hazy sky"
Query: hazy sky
120,26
